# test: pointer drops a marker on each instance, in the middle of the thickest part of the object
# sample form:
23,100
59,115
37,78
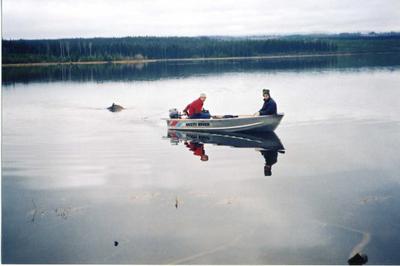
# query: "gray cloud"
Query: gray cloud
107,18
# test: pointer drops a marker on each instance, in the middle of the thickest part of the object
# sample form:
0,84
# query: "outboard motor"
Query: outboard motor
174,113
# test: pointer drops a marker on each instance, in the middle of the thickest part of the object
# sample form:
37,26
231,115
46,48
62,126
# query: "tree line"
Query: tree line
128,48
131,48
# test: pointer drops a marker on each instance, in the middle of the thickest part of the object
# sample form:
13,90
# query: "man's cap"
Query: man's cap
203,95
265,91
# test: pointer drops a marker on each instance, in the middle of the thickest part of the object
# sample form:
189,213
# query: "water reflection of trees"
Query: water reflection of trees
155,71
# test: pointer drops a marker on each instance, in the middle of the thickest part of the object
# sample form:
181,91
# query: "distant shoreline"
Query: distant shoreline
145,61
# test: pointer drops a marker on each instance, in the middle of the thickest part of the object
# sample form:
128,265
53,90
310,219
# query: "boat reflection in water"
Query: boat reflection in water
267,143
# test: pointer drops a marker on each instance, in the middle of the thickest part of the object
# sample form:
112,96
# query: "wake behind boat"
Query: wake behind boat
241,123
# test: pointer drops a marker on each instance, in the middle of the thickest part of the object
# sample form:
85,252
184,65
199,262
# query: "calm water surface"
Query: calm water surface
84,185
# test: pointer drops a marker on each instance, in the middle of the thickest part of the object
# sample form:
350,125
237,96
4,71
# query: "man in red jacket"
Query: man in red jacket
195,109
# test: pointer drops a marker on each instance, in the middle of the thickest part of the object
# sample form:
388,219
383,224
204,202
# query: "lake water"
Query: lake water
83,185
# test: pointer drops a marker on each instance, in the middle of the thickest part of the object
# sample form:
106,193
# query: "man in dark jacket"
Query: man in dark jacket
269,106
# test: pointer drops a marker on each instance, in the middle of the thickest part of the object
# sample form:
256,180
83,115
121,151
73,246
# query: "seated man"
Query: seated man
195,109
269,106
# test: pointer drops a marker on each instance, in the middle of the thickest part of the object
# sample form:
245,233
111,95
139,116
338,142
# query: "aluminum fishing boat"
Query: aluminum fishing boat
241,123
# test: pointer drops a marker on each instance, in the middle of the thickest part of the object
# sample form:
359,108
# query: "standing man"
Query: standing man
269,106
195,109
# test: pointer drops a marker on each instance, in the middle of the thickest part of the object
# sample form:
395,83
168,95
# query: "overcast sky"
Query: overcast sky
115,18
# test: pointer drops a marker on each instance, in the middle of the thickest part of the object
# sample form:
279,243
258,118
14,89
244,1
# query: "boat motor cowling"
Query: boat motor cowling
174,113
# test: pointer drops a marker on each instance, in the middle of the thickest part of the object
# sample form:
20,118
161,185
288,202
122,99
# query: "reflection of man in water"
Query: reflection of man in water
271,157
198,149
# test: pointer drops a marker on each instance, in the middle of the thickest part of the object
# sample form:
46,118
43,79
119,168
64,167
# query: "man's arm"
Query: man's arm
186,108
263,109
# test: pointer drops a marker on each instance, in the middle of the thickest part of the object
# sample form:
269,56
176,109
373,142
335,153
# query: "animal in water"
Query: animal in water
358,259
115,108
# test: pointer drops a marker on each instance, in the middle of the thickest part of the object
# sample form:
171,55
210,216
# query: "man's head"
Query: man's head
267,170
266,94
204,158
203,96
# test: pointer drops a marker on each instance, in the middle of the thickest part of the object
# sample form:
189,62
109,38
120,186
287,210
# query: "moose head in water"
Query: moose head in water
115,108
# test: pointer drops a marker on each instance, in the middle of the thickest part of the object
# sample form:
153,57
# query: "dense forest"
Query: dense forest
110,49
128,48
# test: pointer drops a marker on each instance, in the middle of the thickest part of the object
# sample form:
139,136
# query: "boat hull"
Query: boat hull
266,123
